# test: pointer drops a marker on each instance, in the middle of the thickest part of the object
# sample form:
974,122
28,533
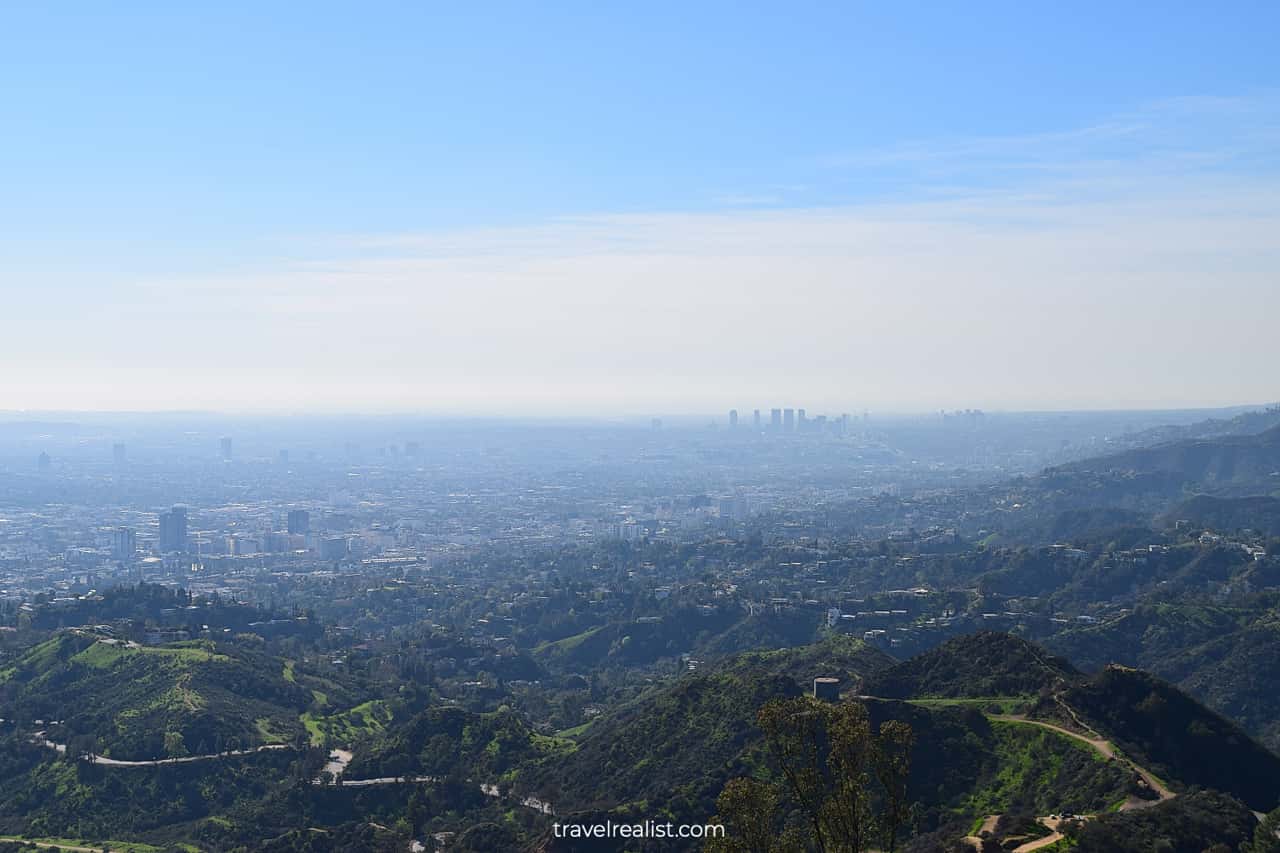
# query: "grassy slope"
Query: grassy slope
128,699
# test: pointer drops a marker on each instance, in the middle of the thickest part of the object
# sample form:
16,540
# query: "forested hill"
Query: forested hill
1257,512
1226,656
1242,464
676,748
1246,423
973,666
1226,481
999,723
127,701
1176,736
838,655
1151,720
999,726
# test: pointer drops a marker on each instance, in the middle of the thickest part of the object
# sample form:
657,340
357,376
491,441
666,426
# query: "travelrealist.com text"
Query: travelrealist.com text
644,829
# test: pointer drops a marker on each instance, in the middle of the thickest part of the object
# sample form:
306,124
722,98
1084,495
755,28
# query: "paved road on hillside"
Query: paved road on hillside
50,845
157,762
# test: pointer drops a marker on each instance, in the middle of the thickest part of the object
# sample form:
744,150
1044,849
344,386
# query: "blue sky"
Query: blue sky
161,154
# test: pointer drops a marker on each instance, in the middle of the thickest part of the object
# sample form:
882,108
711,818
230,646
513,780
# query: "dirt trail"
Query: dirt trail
988,825
1053,837
1099,744
1105,748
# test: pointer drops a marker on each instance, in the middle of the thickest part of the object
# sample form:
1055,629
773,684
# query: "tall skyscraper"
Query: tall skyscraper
226,448
733,418
173,529
299,521
788,420
775,419
801,420
755,420
118,453
124,544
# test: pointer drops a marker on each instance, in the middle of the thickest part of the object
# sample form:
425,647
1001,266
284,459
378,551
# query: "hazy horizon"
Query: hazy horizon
701,416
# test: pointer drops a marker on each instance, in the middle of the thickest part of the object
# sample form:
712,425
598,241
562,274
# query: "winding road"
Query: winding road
157,762
335,767
51,845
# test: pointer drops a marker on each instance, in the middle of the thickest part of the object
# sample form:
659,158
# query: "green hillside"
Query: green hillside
1150,720
712,634
677,748
1228,465
676,743
984,664
838,655
44,795
1147,636
999,727
1233,675
131,702
1257,512
1175,736
1224,656
1192,823
442,741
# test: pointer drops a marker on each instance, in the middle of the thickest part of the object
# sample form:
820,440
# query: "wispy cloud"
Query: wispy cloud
1086,283
1170,133
1007,150
748,199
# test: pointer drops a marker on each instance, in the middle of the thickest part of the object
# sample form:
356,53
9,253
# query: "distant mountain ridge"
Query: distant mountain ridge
1246,423
1133,489
1232,462
1256,512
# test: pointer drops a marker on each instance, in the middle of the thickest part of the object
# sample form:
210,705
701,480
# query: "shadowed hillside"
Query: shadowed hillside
973,666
